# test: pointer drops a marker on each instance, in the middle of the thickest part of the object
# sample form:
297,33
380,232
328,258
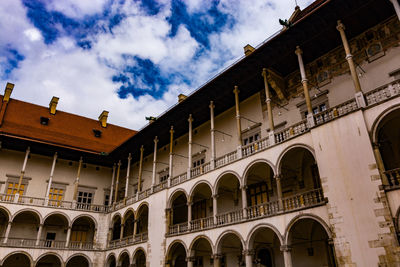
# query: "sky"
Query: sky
131,58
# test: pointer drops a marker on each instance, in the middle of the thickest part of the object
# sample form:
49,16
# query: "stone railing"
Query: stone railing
178,228
81,245
255,147
292,131
52,244
6,198
160,186
200,224
199,170
19,242
129,240
393,177
230,217
265,209
226,159
333,113
179,179
303,200
383,93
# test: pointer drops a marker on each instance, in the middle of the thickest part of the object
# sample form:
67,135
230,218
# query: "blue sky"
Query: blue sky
129,57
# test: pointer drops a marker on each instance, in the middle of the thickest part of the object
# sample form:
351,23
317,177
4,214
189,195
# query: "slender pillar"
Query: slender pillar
135,227
190,261
249,258
39,234
215,208
140,169
21,177
349,57
171,154
68,239
121,234
7,233
238,122
396,7
304,81
279,190
112,186
217,260
190,120
212,132
117,182
189,206
269,108
50,179
244,200
109,234
128,168
76,184
379,163
287,257
153,179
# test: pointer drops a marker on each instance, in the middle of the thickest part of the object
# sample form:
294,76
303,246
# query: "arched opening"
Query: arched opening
129,223
201,252
143,220
111,261
261,192
4,218
177,256
309,243
229,199
78,261
179,213
54,231
49,260
300,182
17,260
202,207
124,260
116,228
388,139
82,233
230,249
139,259
24,227
266,246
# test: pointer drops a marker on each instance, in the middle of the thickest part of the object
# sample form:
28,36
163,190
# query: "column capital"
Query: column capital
129,156
156,139
81,159
298,50
243,187
171,131
278,176
168,209
189,203
190,120
191,259
285,248
249,252
236,90
264,72
141,148
217,256
215,196
211,104
340,26
119,163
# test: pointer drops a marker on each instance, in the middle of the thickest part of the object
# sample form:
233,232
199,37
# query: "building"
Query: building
290,157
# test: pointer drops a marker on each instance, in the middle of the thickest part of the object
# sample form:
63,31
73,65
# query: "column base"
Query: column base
271,138
360,100
310,120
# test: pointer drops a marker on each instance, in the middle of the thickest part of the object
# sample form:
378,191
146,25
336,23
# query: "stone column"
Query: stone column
271,136
128,168
215,208
112,185
39,234
249,258
68,239
396,7
121,234
171,155
135,227
244,200
140,169
379,164
190,133
21,177
279,190
190,261
217,260
304,81
117,182
189,206
153,178
76,184
349,57
46,199
238,122
287,257
212,132
7,233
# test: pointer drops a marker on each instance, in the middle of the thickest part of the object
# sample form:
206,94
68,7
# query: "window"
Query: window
319,104
199,209
199,159
198,162
85,197
257,194
106,197
163,175
11,186
56,196
79,233
251,134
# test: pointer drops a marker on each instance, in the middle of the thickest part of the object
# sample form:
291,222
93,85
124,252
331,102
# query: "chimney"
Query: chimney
8,91
103,118
181,97
248,49
53,105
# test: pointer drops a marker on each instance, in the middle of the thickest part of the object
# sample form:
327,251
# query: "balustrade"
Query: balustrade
393,177
265,209
202,223
302,200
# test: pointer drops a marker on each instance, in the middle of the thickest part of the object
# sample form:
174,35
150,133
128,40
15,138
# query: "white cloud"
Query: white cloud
77,8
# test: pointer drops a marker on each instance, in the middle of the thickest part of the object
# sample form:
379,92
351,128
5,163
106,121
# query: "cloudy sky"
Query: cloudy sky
129,57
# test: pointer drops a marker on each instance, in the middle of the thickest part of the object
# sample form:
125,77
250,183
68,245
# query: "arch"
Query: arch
116,216
306,216
202,237
173,194
64,215
176,241
142,218
254,162
79,255
17,252
128,221
177,254
260,226
50,254
123,218
94,221
217,181
7,212
287,149
39,216
137,250
198,183
136,254
225,233
121,255
109,258
379,119
140,207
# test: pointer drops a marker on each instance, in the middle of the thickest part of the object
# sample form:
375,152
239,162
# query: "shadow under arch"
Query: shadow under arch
94,221
49,257
222,175
174,195
194,187
176,254
111,260
124,258
37,214
9,256
254,162
139,257
74,261
288,149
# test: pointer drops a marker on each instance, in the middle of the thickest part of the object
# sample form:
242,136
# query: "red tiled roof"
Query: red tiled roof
22,120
